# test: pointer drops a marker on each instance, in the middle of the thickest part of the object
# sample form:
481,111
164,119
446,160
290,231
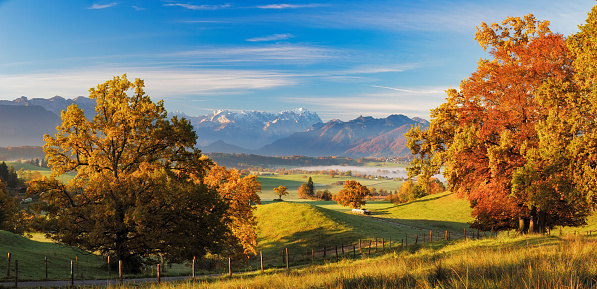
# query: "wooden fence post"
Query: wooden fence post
354,250
72,274
109,269
158,270
383,244
369,247
287,260
417,239
324,252
430,236
406,239
16,273
46,265
342,249
261,258
8,266
229,267
375,244
120,272
360,247
446,236
312,256
77,263
193,268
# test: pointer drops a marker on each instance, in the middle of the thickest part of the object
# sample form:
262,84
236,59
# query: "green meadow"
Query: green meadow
305,227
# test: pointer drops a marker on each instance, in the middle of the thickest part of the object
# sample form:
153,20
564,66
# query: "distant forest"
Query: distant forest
238,160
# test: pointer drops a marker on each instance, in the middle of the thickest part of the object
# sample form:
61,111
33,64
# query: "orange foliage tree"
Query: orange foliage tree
239,193
352,195
488,132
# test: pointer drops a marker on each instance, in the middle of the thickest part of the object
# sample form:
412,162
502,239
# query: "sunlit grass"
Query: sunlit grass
520,262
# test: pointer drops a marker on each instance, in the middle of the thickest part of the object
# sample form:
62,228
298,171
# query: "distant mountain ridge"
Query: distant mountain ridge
249,129
361,137
26,125
23,122
56,104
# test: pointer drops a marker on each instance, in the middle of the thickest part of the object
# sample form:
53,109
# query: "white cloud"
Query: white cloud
290,6
279,53
412,102
274,37
198,7
102,6
160,84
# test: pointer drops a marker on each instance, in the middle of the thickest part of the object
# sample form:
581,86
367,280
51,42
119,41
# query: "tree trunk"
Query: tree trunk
537,224
523,225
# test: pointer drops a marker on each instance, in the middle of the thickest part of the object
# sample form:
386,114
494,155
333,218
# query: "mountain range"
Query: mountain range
250,129
361,137
23,122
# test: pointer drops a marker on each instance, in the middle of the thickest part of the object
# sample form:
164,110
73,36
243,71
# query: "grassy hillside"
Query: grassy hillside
517,262
31,254
440,212
300,226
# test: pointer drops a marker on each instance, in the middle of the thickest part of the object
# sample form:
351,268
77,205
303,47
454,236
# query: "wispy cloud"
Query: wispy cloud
198,7
412,102
274,37
102,6
278,53
138,8
290,6
161,83
433,91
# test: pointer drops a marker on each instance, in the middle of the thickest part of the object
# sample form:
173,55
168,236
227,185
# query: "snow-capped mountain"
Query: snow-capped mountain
250,129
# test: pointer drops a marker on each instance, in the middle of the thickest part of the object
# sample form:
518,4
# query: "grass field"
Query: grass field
321,182
504,262
43,171
305,225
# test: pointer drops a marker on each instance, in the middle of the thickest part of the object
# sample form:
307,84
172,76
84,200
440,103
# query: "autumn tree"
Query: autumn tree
281,191
311,187
240,193
324,195
138,189
9,212
303,191
487,133
352,195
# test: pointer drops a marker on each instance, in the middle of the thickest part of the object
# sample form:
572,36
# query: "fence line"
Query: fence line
290,257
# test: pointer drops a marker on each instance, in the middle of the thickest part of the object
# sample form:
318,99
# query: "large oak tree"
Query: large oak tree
492,135
139,187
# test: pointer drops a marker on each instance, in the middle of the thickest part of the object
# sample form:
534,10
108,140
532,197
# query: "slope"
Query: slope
30,255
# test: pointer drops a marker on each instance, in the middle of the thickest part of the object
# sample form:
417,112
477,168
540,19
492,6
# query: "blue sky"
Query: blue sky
340,59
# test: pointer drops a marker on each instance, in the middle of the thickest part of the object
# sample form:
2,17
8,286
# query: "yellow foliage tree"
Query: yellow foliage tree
138,189
281,191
